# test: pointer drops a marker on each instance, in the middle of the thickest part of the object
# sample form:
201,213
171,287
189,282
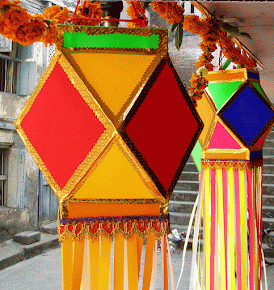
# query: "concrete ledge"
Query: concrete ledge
10,255
27,238
12,252
47,241
51,228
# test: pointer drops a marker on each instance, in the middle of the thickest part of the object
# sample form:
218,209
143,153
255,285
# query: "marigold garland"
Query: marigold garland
18,25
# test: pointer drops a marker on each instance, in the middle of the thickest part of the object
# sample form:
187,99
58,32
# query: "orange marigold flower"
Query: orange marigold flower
208,46
49,36
57,13
192,24
91,10
133,24
132,8
32,31
210,29
171,11
13,17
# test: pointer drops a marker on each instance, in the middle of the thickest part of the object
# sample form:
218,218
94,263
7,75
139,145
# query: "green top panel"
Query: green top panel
259,89
221,92
197,155
113,40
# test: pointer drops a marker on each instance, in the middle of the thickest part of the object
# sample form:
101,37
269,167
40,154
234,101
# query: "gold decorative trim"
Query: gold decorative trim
114,201
231,76
214,110
226,164
163,37
104,139
135,164
125,226
226,154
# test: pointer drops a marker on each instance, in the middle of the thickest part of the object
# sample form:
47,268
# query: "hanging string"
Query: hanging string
142,22
77,5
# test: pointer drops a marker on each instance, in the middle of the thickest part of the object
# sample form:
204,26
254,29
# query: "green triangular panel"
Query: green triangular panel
221,92
197,154
259,89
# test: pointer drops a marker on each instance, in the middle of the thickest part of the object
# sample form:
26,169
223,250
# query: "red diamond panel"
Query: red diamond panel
163,127
61,126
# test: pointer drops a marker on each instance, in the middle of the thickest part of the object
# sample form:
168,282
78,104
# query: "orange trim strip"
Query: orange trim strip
82,209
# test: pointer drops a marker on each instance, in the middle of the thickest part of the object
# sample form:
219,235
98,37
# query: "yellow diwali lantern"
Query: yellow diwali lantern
101,125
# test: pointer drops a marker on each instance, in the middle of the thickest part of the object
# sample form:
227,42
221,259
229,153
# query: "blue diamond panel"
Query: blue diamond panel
248,115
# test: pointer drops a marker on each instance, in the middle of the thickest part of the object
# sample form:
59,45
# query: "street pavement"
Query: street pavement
44,272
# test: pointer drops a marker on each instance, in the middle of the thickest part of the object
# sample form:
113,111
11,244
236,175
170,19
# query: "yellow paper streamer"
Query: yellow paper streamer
243,223
104,262
94,252
118,262
67,263
221,233
231,230
79,246
132,263
207,225
148,261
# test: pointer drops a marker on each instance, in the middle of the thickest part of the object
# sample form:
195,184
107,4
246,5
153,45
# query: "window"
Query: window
3,177
9,65
18,70
191,8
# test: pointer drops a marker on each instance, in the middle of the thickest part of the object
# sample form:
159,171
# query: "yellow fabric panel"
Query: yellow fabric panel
206,111
114,177
114,76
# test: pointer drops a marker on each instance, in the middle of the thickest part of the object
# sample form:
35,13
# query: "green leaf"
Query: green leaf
226,64
179,35
229,28
172,28
233,29
239,66
245,34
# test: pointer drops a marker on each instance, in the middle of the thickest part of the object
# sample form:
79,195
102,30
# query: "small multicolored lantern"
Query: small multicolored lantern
238,117
107,127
